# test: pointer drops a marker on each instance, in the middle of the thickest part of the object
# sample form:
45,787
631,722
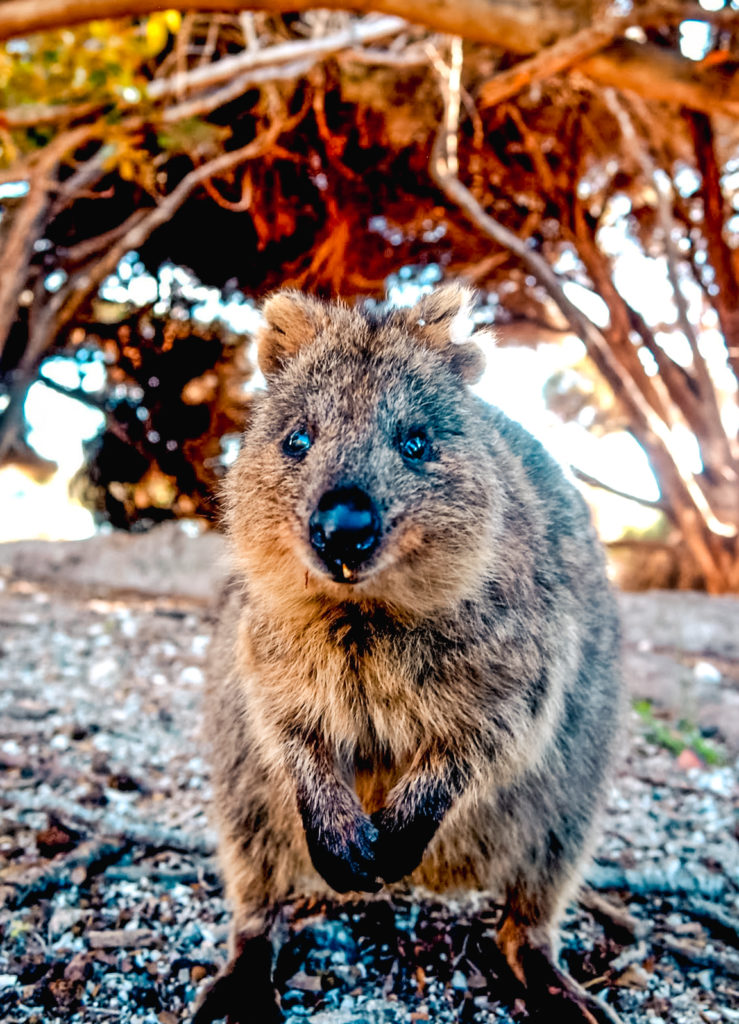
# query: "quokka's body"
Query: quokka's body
416,671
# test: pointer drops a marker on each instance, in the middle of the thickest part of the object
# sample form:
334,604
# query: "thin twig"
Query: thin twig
81,182
95,401
247,195
214,27
83,251
248,29
88,858
718,921
616,920
687,952
140,833
200,105
593,481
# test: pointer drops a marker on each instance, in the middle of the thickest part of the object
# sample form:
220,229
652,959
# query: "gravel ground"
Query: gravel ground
112,908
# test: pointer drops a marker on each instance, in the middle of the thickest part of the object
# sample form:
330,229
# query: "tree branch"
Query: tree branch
83,251
198,106
727,299
518,25
678,383
536,264
84,179
663,191
95,401
241,71
618,334
17,251
551,60
684,500
705,421
33,114
84,282
664,76
223,70
59,308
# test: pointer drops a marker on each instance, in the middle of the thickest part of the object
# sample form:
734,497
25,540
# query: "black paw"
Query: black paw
570,1009
400,848
243,992
345,857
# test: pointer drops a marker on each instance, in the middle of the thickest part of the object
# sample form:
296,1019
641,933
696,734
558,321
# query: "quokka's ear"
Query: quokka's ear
441,320
291,320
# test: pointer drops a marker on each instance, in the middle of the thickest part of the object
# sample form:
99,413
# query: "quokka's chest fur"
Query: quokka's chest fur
354,676
379,688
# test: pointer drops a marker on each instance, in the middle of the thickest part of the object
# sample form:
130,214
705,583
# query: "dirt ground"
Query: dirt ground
111,906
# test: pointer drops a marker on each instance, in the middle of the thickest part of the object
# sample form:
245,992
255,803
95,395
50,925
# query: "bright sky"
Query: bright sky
59,426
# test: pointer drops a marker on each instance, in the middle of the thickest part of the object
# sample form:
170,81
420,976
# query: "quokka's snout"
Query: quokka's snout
345,530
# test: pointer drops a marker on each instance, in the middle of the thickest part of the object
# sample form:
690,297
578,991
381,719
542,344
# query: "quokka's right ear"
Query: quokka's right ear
291,320
441,320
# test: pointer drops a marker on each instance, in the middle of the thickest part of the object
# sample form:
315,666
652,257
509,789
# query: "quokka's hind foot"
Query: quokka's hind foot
243,992
549,993
552,995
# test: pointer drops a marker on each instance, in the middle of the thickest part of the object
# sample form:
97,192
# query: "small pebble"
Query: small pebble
705,672
192,675
305,982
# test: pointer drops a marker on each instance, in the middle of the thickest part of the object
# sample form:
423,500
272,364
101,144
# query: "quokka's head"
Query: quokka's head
365,474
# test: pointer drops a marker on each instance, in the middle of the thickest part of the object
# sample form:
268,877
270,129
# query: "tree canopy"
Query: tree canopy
516,145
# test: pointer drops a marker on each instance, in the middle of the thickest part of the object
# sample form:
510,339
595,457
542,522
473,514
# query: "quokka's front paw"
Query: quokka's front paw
342,848
400,846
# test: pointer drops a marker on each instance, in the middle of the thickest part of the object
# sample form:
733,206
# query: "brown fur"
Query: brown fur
462,688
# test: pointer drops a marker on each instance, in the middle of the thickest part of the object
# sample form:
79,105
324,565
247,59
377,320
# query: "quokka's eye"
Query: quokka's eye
297,443
415,448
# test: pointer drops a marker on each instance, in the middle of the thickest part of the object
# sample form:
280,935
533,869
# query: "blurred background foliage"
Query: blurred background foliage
159,173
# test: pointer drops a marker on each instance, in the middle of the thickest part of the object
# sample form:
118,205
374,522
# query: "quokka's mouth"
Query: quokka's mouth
344,573
340,572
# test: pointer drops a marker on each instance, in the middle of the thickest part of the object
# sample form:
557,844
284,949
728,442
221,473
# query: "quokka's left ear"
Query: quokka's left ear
441,320
291,320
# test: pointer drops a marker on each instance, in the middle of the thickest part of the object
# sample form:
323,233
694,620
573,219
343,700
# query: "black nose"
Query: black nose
344,529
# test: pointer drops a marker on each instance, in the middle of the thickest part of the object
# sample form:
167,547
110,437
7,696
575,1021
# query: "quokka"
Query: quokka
416,674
